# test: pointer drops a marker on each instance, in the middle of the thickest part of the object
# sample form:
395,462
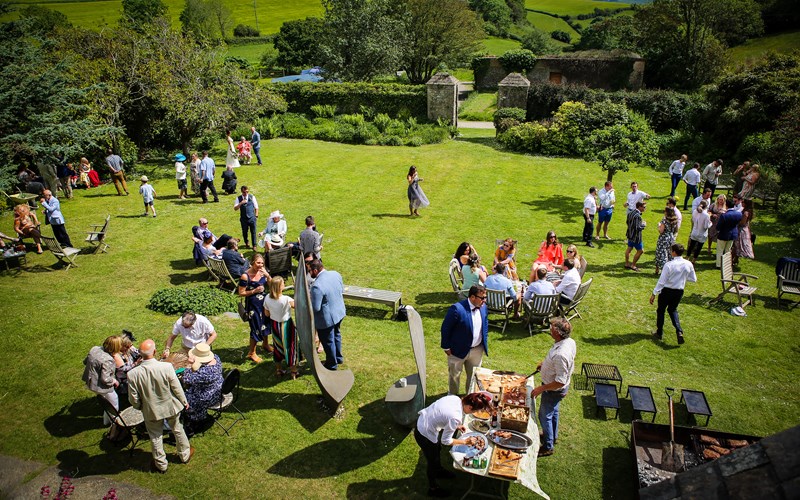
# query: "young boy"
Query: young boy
148,194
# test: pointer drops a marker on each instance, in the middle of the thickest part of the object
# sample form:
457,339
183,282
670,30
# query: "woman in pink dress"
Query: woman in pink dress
551,255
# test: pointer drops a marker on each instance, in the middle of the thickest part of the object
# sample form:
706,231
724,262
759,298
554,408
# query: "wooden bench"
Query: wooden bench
385,297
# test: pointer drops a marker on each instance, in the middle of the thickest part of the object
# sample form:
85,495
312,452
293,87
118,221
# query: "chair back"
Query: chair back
280,262
582,270
53,245
542,305
497,300
583,289
790,271
219,269
727,267
231,382
456,279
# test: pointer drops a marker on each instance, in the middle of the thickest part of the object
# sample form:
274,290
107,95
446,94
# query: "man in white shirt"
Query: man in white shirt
207,170
676,172
193,329
635,196
672,203
711,175
607,199
692,179
569,283
670,291
705,196
589,209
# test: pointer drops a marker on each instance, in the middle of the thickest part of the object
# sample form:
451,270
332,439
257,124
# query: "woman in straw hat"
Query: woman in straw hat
202,384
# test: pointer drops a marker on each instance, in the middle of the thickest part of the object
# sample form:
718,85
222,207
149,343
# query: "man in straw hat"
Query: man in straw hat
154,389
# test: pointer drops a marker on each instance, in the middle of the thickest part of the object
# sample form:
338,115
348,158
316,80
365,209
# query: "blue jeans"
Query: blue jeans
548,416
691,194
331,340
676,179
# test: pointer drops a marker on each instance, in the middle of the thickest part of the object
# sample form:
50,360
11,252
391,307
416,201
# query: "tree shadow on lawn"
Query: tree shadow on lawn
618,340
617,463
334,457
448,298
394,216
369,312
116,459
80,416
490,142
563,206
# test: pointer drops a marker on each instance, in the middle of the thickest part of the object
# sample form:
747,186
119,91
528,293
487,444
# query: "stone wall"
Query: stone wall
443,98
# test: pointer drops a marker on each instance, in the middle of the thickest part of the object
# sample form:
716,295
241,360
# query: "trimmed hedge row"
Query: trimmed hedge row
392,99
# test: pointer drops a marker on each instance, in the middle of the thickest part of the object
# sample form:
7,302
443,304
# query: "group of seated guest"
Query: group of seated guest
234,260
499,281
206,243
26,224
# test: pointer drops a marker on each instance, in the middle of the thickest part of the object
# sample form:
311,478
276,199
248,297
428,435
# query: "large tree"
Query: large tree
196,18
438,31
298,43
139,13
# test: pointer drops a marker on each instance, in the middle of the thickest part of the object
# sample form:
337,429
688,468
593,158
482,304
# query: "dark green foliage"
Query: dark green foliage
519,14
538,42
561,36
392,99
269,59
298,43
139,13
789,212
243,30
495,13
204,299
780,15
239,62
518,60
41,20
323,110
505,118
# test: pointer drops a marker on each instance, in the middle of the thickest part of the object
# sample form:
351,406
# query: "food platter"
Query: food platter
510,439
479,425
462,451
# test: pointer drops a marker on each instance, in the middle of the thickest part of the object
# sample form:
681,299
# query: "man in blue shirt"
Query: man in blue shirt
727,231
255,141
207,169
498,281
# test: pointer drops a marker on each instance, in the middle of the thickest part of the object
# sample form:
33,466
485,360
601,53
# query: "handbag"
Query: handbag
242,311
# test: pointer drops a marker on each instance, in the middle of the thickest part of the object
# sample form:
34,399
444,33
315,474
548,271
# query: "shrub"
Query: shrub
242,30
390,140
203,299
354,119
506,118
268,59
518,60
296,126
789,213
367,111
561,36
324,110
415,141
237,61
527,137
382,121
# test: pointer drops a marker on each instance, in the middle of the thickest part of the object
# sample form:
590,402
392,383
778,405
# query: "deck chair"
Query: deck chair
227,399
129,419
788,278
97,236
731,284
220,270
539,310
572,307
582,270
66,254
457,279
280,263
499,303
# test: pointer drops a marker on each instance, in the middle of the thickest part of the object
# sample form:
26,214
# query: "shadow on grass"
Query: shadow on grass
621,339
617,463
592,412
78,463
334,457
558,205
137,216
80,416
369,312
394,216
448,298
185,264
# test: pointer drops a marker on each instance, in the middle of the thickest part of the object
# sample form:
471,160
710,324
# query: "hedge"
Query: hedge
393,99
202,299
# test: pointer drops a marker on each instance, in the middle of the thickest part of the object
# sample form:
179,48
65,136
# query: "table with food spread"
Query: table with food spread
508,444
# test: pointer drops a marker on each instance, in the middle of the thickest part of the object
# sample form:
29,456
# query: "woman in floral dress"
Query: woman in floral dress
667,228
202,383
743,246
252,286
714,211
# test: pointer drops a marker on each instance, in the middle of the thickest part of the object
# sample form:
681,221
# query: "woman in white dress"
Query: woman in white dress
232,159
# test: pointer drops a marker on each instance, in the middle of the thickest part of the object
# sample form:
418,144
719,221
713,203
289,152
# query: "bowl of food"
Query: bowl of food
481,426
482,415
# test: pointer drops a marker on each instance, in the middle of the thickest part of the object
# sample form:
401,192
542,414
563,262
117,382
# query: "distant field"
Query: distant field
498,46
250,52
572,7
753,50
549,23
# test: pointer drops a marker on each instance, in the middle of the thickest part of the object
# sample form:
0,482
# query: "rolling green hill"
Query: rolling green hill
753,50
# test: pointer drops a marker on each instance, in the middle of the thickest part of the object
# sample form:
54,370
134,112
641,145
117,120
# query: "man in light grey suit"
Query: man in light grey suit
327,301
154,389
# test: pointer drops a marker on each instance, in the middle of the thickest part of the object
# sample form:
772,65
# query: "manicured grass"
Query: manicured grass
571,7
753,50
463,74
495,46
549,23
479,106
252,53
51,318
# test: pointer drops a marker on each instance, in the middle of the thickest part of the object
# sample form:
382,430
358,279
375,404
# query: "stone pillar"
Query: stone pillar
512,92
443,98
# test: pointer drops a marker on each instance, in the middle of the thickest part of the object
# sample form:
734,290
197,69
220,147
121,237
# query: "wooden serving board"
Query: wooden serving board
500,466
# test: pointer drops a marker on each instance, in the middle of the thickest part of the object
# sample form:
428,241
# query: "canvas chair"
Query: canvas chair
66,254
539,310
572,307
789,280
227,399
457,279
498,302
731,284
280,263
220,270
129,419
97,237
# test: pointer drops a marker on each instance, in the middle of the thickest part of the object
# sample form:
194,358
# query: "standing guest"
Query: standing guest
711,175
203,386
193,329
275,232
255,141
195,172
550,255
247,205
115,164
714,211
739,174
569,284
154,389
27,225
499,281
229,180
539,287
252,286
125,360
634,235
327,301
670,291
634,197
667,230
180,175
589,209
310,240
436,426
692,179
705,196
607,199
743,246
232,157
672,204
727,232
52,213
738,204
207,170
243,148
750,181
676,172
234,260
701,222
278,307
465,337
65,174
100,372
556,368
473,273
505,255
416,197
89,175
148,193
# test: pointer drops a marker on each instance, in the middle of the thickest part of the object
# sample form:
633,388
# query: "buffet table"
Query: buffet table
525,472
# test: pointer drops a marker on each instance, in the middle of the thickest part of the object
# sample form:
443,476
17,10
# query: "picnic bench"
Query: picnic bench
385,297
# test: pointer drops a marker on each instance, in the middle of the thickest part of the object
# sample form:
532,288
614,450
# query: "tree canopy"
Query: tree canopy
298,43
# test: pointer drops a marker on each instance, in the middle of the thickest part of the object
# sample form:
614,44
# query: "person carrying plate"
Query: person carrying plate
436,426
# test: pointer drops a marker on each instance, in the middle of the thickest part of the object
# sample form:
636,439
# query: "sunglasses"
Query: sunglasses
481,297
570,251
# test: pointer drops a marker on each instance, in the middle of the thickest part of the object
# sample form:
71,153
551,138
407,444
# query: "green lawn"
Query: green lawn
252,53
495,46
479,106
51,318
549,24
571,7
753,50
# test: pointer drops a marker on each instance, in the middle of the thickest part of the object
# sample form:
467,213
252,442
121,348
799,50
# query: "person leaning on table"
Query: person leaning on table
556,371
436,426
193,329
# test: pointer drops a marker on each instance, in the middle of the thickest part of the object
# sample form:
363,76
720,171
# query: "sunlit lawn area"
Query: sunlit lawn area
252,52
495,46
753,50
549,23
288,447
571,7
479,106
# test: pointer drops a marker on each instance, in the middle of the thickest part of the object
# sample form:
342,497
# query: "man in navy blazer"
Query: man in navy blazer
327,301
465,336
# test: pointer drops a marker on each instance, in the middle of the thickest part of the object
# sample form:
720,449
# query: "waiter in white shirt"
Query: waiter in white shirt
589,209
670,290
692,179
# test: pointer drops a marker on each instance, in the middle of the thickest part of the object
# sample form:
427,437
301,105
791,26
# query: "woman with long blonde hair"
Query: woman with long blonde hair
284,336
